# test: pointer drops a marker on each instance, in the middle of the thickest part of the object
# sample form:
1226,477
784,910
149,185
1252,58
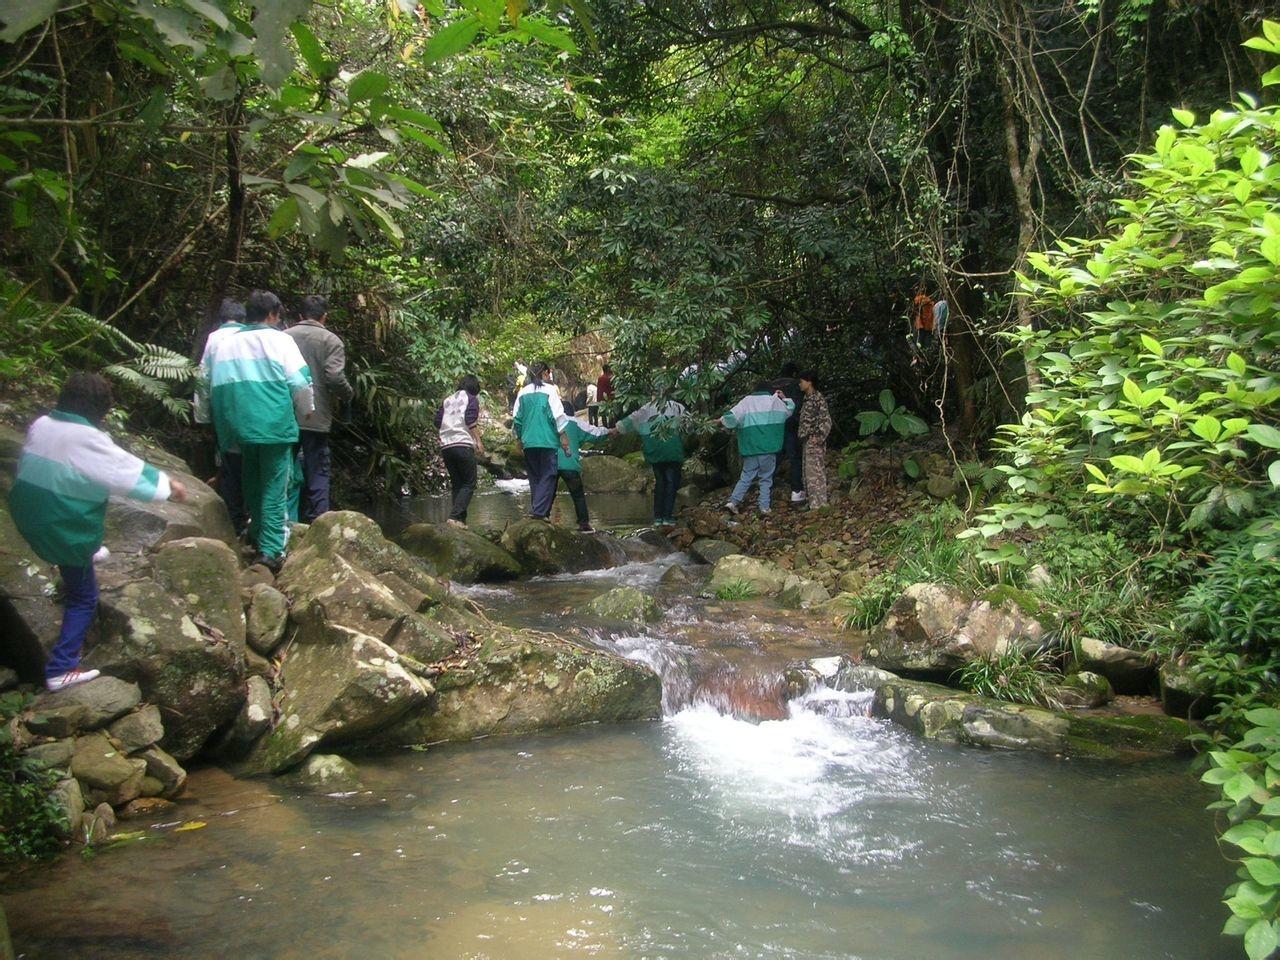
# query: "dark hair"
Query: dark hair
537,371
260,305
608,368
569,408
231,311
314,307
87,395
470,383
810,376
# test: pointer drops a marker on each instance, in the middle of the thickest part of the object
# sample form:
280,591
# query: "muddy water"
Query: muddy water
818,833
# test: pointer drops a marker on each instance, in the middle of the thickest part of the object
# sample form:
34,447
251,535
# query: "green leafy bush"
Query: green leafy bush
30,821
1014,677
891,417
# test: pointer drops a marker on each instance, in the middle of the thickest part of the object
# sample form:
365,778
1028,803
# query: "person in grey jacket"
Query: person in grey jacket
327,360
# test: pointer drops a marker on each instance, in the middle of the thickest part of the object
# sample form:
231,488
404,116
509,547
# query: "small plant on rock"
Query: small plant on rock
1015,676
736,590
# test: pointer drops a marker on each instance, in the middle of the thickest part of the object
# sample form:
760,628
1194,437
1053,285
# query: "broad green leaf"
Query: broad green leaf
210,12
452,40
1184,117
1152,345
19,16
549,34
1128,463
1271,248
1273,473
284,218
1236,364
367,85
1260,940
1264,434
1132,392
887,402
271,21
1102,477
312,52
1237,788
1263,717
1207,427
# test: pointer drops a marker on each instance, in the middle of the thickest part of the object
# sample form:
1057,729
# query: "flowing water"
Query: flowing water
744,825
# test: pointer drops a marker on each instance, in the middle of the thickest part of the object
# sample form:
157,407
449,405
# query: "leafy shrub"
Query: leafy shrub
30,820
1235,602
1014,677
891,417
736,590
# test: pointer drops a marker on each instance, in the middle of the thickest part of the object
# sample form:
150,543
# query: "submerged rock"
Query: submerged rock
340,686
164,770
939,713
765,578
1130,671
518,683
457,553
543,548
326,772
626,603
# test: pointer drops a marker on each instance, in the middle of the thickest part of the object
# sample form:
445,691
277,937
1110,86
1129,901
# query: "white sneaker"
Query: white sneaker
799,496
732,507
70,679
102,554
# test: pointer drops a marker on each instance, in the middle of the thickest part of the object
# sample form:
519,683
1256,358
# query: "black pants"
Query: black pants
317,472
666,484
793,454
460,461
540,465
573,483
231,489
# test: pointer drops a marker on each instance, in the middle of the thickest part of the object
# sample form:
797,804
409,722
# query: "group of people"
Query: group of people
787,418
268,393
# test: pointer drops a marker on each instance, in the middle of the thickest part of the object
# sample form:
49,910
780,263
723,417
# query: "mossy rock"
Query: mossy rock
626,604
543,548
457,553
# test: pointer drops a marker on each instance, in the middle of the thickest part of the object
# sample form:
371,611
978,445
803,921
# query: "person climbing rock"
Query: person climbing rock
538,420
259,389
326,359
814,426
790,388
68,469
660,429
228,482
569,462
759,419
458,420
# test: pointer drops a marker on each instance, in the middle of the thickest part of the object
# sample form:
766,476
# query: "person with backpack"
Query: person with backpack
569,462
68,469
659,428
458,420
539,422
759,420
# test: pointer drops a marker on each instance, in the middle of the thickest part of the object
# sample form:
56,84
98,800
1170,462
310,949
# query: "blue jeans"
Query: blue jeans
666,483
540,465
80,587
757,467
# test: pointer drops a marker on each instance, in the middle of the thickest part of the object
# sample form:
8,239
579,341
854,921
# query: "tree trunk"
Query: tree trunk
1022,171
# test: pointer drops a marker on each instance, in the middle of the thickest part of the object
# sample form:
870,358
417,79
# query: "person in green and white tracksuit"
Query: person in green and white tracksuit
759,419
69,467
569,462
539,420
660,431
260,391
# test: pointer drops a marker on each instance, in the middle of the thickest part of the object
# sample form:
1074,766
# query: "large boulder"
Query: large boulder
339,687
516,683
605,474
934,629
30,615
456,553
626,604
940,713
543,548
194,675
764,578
206,575
1130,671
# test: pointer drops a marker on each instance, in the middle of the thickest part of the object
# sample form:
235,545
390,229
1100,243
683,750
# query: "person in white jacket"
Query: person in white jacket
458,420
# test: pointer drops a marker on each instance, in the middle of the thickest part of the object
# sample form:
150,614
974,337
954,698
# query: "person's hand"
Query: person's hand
177,491
779,394
564,445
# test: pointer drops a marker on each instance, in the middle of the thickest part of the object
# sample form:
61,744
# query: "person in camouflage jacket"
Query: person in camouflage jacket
815,424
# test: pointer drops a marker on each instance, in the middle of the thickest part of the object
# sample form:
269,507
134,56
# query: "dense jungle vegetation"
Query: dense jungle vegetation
701,192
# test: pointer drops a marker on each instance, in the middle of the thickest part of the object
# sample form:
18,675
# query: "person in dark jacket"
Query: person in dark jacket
458,420
539,422
327,360
659,426
790,387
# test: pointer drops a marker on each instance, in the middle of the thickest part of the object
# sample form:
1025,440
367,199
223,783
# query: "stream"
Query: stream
743,825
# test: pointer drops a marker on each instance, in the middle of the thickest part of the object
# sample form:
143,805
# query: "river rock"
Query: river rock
518,683
104,772
767,579
1003,620
1183,693
340,686
253,720
57,721
54,755
326,772
626,603
163,768
801,594
194,676
543,548
103,700
456,553
675,577
940,713
145,806
919,634
206,575
69,799
139,729
267,619
1130,671
605,474
1083,690
709,550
